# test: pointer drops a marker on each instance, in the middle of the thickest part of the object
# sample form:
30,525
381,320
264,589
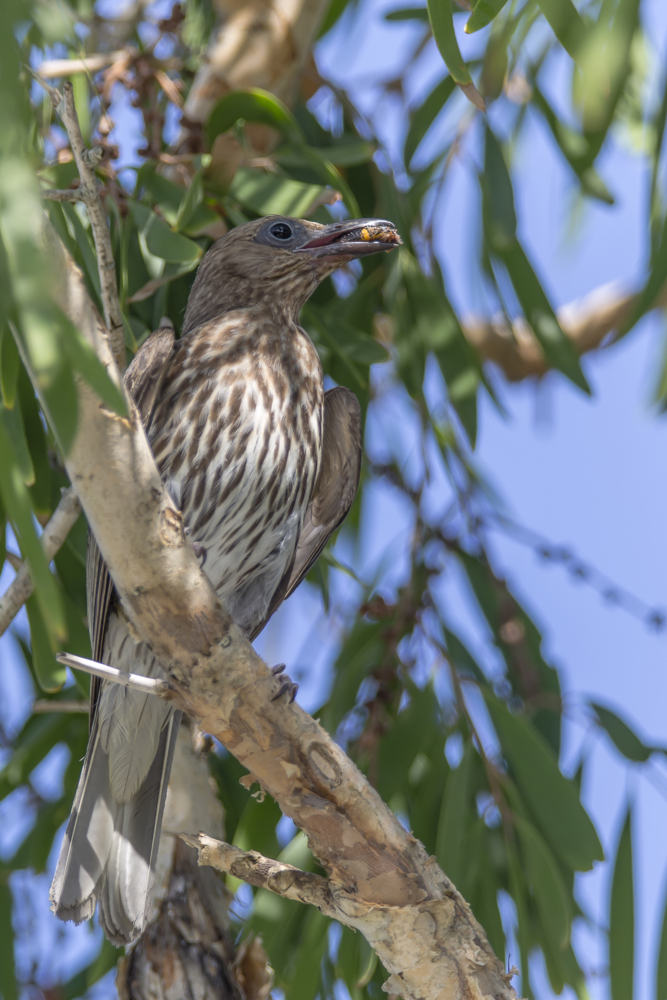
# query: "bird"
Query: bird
264,466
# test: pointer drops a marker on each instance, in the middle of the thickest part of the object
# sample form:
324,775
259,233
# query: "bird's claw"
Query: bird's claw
285,684
200,552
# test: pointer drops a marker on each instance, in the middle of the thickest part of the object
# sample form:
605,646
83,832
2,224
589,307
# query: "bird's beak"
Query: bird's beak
352,238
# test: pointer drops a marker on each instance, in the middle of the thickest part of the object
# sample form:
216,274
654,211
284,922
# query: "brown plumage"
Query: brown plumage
264,466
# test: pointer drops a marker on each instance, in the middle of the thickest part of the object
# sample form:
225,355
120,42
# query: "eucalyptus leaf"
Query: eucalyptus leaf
551,797
622,918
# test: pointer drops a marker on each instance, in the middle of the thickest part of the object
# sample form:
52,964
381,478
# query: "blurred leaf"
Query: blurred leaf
85,361
462,658
566,23
161,241
192,199
661,970
654,284
547,884
483,13
8,986
423,117
12,421
411,733
268,194
17,504
252,105
408,14
37,738
622,918
576,148
442,24
9,366
50,674
552,798
79,984
455,815
624,739
603,53
41,493
305,980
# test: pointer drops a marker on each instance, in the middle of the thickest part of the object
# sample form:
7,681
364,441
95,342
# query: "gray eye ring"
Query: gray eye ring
281,231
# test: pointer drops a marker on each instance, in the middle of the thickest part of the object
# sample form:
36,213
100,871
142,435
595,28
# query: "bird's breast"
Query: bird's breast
237,435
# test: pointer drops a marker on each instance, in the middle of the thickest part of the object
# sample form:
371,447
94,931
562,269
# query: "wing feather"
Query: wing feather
334,491
143,380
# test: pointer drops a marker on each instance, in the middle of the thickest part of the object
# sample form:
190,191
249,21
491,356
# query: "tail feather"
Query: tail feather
87,841
109,849
126,891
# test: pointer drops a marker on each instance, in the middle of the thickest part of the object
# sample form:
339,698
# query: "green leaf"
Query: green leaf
12,421
558,349
497,197
442,24
17,504
9,366
566,23
423,117
50,674
85,361
547,884
622,918
192,199
455,816
268,194
661,970
408,14
552,798
577,149
252,105
305,981
79,984
162,241
622,736
8,987
654,283
483,13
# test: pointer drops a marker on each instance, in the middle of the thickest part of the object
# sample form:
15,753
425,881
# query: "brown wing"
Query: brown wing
334,491
143,380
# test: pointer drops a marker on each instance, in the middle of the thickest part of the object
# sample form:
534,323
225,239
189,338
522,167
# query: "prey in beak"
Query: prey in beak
352,238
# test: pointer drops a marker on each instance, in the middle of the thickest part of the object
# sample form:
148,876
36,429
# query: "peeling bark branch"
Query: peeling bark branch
265,873
423,930
53,536
586,322
259,43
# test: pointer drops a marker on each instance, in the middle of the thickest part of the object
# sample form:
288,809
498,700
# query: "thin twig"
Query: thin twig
90,64
43,706
53,536
86,161
265,873
71,194
147,685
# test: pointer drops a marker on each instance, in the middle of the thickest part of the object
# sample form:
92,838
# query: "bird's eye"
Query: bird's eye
281,231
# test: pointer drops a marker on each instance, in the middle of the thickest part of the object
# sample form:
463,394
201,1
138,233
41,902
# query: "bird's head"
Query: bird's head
277,262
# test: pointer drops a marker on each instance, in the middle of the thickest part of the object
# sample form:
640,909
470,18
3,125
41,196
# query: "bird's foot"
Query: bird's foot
198,548
285,684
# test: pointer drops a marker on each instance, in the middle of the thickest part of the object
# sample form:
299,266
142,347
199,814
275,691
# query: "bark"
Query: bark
386,884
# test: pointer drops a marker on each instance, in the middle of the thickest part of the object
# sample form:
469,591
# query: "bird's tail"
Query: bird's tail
109,849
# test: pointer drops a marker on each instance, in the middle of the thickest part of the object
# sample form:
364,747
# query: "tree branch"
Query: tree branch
420,926
259,43
88,193
53,536
587,322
